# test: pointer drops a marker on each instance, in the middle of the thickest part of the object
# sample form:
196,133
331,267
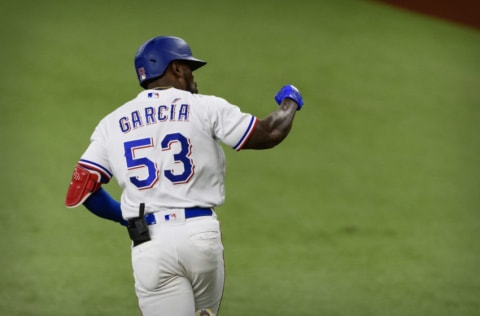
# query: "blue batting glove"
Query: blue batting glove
289,91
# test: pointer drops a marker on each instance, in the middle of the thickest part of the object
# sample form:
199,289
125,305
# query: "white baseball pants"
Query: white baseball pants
181,270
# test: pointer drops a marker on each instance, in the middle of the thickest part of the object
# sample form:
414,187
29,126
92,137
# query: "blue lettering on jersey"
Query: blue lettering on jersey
150,115
172,112
136,119
124,124
183,113
161,110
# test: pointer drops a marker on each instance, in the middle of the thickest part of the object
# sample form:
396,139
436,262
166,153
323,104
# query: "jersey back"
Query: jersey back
164,149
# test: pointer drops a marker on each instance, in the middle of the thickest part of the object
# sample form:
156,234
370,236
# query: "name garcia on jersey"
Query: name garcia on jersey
154,115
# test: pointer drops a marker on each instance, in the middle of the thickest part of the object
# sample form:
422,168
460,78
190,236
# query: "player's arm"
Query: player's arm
273,129
85,188
103,205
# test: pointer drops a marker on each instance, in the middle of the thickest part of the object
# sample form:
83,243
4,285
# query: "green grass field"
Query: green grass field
370,207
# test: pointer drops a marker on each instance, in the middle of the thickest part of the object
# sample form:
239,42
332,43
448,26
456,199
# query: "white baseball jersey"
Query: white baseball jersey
163,147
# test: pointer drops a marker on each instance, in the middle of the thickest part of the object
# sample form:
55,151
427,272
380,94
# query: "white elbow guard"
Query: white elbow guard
84,182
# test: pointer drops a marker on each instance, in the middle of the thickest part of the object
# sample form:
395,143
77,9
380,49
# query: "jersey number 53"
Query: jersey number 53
135,161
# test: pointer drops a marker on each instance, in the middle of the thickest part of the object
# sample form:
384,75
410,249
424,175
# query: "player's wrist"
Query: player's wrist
288,103
289,92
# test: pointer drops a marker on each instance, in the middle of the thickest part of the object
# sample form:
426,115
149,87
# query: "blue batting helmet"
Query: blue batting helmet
154,56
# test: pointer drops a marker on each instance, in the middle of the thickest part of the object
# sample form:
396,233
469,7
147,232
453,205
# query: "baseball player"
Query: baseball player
164,149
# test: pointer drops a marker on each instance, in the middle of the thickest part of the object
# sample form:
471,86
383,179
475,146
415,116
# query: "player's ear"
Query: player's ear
177,68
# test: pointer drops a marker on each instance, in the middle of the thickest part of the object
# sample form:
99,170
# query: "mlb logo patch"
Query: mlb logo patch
155,95
170,217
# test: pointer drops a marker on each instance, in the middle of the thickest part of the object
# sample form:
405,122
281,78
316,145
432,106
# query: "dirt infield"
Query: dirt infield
465,12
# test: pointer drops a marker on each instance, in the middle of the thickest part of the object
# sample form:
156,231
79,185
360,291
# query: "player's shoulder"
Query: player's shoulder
211,100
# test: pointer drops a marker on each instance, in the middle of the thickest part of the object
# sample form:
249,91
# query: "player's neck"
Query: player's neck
161,88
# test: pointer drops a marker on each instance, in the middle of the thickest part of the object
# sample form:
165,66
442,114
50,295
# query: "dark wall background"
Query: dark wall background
466,12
